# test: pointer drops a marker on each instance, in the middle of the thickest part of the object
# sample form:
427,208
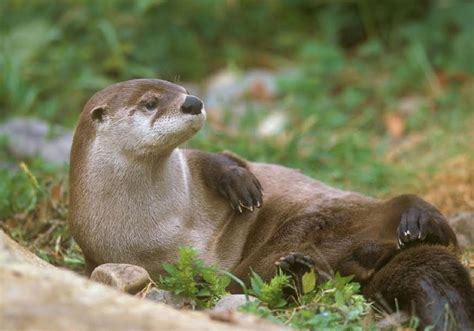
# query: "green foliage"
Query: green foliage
54,56
34,209
337,108
353,64
335,305
270,293
192,279
19,191
309,281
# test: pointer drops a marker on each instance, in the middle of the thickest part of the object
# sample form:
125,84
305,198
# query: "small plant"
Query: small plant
192,279
335,305
270,293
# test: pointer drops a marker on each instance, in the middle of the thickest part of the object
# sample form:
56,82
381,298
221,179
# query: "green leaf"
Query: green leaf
204,292
256,282
209,275
224,281
169,268
339,297
309,281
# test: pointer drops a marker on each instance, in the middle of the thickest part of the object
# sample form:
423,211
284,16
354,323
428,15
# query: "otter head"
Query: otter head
143,117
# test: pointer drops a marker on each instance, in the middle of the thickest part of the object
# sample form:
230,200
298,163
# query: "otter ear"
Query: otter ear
98,113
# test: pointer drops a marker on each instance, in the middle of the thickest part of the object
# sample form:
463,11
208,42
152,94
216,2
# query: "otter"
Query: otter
136,196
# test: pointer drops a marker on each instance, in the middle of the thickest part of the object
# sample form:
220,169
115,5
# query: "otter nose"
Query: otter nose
191,105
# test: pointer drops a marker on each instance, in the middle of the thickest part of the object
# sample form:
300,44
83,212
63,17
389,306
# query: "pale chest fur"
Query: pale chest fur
143,214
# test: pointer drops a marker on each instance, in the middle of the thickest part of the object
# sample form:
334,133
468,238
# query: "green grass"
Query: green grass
381,100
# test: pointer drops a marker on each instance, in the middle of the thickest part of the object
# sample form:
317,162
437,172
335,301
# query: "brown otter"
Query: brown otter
136,197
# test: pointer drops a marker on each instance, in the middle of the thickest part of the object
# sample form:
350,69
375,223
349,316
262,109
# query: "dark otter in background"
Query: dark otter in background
136,197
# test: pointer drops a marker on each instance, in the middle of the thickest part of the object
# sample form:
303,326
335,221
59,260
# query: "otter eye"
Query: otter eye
150,105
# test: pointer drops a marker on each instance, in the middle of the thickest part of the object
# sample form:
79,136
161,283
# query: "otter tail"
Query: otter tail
429,281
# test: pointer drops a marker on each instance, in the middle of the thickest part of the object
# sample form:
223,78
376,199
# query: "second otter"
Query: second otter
136,197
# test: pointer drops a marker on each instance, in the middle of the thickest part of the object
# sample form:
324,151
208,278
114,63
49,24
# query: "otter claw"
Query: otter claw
250,208
400,243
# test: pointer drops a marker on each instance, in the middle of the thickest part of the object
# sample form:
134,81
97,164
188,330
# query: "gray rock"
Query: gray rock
166,297
28,138
38,296
9,166
228,89
232,302
463,225
125,277
273,125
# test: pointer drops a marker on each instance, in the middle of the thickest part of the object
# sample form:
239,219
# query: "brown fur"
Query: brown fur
340,231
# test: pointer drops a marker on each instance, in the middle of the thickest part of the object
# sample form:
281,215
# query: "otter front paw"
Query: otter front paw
241,188
420,224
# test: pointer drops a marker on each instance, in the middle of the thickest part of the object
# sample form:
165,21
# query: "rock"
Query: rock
166,297
11,252
411,105
28,138
36,296
232,302
463,225
273,124
125,277
228,89
393,321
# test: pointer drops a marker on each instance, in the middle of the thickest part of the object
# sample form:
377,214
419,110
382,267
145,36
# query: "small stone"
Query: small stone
393,321
231,302
28,138
166,297
463,225
125,277
229,89
273,124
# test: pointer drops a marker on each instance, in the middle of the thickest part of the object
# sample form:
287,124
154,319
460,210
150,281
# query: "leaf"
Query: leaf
309,281
256,282
169,268
209,275
395,125
225,281
339,297
56,193
204,292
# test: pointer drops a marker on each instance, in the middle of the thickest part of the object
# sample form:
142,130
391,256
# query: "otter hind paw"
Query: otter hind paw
417,225
295,264
242,189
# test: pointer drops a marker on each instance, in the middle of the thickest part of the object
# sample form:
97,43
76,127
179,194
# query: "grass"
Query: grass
392,113
381,136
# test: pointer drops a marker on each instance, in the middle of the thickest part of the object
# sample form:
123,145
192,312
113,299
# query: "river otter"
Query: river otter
135,197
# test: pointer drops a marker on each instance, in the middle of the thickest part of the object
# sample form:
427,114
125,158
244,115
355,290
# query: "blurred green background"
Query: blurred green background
380,95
